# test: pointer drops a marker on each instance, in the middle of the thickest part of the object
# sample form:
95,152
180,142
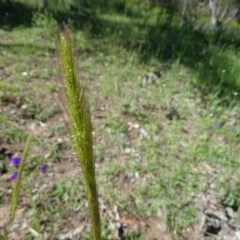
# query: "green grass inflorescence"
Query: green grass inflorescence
79,124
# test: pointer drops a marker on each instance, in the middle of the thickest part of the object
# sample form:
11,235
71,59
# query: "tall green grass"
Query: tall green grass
76,106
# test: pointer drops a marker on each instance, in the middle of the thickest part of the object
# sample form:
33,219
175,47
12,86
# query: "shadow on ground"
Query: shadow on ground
14,14
203,51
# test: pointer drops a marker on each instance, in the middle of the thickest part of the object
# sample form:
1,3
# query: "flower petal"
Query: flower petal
15,161
14,176
43,169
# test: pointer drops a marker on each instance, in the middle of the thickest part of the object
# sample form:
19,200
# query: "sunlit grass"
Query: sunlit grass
163,140
76,106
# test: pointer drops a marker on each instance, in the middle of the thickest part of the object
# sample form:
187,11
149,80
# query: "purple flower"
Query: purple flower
15,161
43,169
14,176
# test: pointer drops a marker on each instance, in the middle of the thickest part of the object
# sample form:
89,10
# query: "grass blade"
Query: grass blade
17,186
5,237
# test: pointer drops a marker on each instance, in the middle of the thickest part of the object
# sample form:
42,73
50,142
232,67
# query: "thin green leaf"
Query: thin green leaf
5,233
17,186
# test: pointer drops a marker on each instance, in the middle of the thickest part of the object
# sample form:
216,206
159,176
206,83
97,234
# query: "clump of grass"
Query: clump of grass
76,107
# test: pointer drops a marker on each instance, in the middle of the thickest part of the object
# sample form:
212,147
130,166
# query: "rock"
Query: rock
237,235
229,212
